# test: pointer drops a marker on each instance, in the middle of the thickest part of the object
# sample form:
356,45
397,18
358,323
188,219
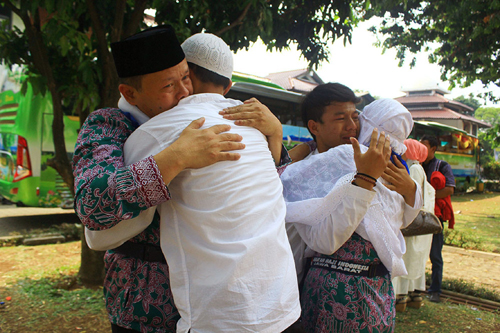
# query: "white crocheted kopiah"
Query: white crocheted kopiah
210,52
314,188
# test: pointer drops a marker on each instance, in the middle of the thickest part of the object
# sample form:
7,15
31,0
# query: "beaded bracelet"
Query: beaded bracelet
366,179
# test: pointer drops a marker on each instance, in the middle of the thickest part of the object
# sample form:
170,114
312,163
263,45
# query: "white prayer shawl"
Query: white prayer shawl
349,206
223,231
314,188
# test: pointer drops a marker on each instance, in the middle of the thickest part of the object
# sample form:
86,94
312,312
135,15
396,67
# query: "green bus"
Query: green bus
26,143
457,147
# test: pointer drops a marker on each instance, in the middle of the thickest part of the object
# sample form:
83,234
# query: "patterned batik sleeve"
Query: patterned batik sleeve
285,160
106,191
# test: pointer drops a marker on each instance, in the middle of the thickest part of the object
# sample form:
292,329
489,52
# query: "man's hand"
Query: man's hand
255,114
376,158
197,148
299,152
400,181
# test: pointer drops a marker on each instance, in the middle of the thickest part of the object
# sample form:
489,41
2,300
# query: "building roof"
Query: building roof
303,80
445,113
419,99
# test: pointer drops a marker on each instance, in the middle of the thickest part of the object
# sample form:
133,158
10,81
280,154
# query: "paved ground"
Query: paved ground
15,219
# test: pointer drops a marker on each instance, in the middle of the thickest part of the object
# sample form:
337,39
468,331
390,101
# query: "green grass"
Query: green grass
446,318
477,226
57,302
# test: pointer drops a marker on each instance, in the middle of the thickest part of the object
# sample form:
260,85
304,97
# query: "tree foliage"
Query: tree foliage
64,47
465,33
488,114
469,101
489,138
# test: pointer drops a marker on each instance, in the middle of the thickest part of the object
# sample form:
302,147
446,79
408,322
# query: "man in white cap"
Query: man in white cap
223,233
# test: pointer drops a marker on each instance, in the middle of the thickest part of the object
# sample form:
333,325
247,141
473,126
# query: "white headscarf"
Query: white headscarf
389,116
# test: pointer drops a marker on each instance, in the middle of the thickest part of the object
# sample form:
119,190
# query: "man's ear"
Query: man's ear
312,126
129,92
228,87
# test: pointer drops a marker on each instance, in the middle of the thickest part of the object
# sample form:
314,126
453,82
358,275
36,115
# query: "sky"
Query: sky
360,66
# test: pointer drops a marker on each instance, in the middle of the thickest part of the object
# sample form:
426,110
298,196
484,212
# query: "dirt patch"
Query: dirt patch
480,268
25,312
32,261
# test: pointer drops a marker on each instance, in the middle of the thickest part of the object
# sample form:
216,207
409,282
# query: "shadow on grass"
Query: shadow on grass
52,304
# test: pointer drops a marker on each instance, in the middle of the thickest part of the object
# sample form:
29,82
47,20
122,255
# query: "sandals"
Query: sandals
401,301
416,300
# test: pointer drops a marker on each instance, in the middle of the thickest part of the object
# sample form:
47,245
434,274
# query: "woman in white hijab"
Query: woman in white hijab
348,287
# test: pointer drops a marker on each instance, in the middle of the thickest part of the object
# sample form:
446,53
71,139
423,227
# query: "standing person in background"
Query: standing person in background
431,165
408,288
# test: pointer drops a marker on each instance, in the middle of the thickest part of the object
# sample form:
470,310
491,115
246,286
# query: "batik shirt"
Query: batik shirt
137,293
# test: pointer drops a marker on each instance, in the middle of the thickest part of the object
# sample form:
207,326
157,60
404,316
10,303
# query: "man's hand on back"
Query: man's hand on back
197,148
255,114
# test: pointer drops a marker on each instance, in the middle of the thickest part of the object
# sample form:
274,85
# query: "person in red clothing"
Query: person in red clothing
431,165
443,208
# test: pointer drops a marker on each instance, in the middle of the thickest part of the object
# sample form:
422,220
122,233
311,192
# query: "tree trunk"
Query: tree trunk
91,270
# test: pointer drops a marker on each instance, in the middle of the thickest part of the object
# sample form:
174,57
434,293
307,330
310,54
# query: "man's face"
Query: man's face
339,123
161,91
430,150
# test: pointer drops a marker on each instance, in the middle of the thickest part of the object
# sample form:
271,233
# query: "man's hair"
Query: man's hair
433,141
313,105
134,81
207,76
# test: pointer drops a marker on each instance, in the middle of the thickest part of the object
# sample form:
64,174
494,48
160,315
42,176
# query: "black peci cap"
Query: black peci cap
148,51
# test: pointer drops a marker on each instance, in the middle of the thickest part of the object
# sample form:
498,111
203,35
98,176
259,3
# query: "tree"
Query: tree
469,101
466,33
488,114
64,47
490,137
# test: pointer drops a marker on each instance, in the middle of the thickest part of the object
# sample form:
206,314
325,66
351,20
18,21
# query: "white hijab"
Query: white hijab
389,116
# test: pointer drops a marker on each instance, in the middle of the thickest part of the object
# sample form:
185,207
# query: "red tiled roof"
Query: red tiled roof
445,114
283,78
301,85
422,99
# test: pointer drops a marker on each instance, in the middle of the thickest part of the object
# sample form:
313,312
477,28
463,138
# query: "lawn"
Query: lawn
479,215
45,296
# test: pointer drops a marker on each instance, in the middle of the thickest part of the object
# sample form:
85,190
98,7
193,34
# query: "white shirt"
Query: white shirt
223,231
